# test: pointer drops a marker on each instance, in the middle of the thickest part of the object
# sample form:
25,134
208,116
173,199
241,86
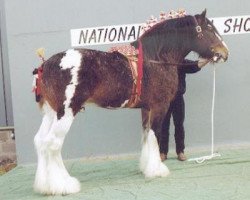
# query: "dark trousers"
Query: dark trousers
177,110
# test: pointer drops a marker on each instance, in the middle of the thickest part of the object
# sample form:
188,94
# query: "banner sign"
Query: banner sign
232,25
130,32
105,35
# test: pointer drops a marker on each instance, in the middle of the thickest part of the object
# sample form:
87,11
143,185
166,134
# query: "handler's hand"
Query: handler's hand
202,62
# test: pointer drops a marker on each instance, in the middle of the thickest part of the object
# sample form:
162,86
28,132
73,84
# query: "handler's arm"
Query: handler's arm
191,67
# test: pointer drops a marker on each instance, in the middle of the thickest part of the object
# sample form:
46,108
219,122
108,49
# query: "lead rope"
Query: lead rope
213,155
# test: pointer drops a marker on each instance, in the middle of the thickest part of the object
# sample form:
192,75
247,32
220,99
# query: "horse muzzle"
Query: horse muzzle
220,54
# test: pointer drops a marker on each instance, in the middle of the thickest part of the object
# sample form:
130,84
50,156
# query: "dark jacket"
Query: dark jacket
182,71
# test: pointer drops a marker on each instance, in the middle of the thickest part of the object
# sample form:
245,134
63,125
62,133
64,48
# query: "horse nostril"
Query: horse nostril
218,55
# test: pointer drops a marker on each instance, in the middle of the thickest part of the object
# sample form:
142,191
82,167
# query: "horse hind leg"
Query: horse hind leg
150,161
58,179
40,183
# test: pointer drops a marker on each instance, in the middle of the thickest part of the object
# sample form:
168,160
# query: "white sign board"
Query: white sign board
130,32
105,35
232,25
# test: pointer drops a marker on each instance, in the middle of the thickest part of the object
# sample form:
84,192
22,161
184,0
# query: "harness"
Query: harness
135,59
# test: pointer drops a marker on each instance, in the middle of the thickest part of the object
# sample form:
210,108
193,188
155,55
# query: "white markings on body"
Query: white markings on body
72,61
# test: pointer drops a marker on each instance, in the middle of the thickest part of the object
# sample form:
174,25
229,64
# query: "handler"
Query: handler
177,110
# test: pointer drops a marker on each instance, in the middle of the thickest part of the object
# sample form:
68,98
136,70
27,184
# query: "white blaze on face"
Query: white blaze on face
221,39
225,45
218,58
72,60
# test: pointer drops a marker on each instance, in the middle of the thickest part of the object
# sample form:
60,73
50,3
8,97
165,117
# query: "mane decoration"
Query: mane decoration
162,17
130,51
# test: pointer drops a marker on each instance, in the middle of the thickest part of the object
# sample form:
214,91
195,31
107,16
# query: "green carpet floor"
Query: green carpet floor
223,178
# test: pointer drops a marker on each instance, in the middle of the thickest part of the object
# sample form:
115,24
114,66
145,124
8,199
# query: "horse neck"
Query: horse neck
174,56
167,50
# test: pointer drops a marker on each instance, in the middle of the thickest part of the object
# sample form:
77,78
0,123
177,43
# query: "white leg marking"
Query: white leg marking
58,180
40,183
151,164
144,152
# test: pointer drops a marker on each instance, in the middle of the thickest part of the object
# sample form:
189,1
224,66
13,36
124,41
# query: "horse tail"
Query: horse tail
37,73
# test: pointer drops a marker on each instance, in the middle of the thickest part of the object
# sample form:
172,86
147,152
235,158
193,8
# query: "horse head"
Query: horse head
208,42
172,39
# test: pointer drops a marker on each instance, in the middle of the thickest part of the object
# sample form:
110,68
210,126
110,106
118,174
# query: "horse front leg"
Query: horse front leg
150,161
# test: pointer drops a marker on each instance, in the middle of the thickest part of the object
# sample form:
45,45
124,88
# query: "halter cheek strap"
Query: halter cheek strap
198,29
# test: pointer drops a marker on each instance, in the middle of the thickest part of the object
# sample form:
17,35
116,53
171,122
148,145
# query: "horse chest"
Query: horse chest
159,84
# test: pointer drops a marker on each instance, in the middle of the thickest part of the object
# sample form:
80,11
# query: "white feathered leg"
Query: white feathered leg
40,184
59,180
55,179
150,161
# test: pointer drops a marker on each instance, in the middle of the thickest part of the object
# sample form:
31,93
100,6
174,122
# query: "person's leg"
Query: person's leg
178,117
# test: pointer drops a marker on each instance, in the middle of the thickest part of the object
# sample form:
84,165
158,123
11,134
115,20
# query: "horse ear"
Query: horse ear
203,14
202,17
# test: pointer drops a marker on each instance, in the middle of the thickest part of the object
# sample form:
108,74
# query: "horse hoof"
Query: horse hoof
164,171
69,186
61,187
40,187
160,171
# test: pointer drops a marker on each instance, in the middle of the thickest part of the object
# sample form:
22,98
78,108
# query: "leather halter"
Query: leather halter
198,28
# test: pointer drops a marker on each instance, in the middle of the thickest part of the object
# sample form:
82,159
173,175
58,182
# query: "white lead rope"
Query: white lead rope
203,158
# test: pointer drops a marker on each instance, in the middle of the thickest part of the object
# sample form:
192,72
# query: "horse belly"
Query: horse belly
112,93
